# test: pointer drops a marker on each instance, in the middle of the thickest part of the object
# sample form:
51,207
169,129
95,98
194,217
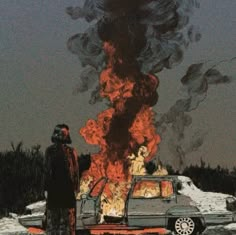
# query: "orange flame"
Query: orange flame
120,131
143,131
37,231
95,131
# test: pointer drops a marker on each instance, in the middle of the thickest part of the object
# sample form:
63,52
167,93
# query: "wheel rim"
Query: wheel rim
184,226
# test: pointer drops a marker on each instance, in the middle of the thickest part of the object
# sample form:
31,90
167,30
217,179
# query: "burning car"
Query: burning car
152,202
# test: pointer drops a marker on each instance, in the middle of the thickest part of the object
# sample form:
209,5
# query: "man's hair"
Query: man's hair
61,134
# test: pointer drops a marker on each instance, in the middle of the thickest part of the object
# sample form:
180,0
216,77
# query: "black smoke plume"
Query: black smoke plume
172,124
158,31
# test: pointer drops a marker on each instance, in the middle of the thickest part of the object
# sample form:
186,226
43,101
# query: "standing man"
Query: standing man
61,183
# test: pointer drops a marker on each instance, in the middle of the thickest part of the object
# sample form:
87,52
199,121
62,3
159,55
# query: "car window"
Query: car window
153,189
166,188
97,188
146,189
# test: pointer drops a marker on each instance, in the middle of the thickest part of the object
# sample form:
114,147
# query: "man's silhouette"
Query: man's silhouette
61,183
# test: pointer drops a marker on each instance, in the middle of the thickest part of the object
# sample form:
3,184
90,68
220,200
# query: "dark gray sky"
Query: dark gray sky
38,75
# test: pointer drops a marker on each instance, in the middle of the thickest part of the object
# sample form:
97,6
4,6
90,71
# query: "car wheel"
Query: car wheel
184,226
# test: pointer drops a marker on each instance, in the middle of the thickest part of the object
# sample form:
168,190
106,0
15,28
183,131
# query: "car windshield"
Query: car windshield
152,189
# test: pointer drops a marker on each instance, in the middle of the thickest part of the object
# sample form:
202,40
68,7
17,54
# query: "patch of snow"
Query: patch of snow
13,215
230,226
207,202
229,229
10,226
39,214
37,207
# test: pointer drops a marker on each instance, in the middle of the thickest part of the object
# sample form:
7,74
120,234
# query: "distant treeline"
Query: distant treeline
216,179
22,177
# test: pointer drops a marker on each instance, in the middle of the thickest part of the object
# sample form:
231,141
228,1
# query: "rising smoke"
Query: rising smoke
173,123
158,31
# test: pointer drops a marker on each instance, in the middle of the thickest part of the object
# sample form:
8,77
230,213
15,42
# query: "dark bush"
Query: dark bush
22,176
216,179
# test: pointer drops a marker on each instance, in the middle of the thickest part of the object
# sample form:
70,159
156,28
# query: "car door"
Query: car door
148,202
90,207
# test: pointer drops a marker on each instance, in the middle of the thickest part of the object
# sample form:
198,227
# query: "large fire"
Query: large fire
125,132
139,38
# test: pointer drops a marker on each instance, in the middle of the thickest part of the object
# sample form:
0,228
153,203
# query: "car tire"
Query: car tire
184,226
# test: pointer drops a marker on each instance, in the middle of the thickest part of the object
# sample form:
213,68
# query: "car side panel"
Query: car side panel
219,218
147,211
79,224
184,210
85,213
89,211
